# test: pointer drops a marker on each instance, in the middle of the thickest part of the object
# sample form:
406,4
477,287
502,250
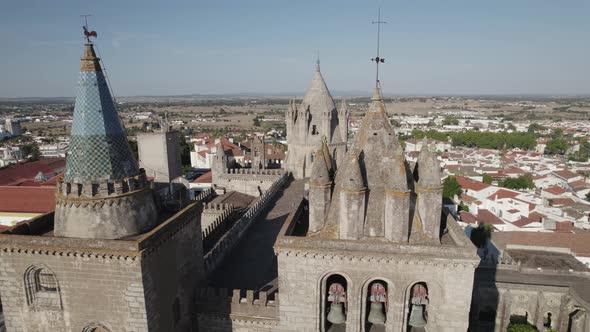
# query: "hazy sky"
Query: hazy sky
222,46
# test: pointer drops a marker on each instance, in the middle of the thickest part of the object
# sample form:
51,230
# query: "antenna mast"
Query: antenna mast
378,59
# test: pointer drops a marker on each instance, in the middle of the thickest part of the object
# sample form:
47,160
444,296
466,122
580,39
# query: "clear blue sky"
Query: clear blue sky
222,46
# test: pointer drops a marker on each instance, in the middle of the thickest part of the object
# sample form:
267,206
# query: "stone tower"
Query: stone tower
103,194
105,260
219,164
375,262
309,122
258,154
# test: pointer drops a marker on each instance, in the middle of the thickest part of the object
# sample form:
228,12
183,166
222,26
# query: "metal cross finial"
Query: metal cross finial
317,61
378,59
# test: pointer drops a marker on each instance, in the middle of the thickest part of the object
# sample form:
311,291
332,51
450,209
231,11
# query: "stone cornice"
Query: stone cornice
407,258
240,319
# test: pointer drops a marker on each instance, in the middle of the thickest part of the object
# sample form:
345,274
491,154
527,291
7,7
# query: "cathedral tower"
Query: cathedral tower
308,123
103,193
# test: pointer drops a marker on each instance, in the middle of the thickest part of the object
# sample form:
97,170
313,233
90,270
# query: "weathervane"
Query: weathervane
87,33
378,59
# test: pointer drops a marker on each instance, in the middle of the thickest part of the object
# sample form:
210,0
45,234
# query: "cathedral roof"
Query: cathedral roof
99,150
375,163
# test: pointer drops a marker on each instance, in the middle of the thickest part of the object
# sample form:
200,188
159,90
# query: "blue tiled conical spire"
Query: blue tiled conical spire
98,148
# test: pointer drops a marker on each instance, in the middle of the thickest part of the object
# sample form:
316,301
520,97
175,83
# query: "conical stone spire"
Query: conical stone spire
429,173
318,98
320,174
98,147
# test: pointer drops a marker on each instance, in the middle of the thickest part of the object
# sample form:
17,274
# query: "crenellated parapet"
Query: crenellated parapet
238,303
250,171
70,190
216,207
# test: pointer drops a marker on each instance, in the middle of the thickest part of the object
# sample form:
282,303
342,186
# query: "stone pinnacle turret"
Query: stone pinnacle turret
103,193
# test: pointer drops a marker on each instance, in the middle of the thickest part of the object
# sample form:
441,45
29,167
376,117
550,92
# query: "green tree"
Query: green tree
556,146
451,187
535,128
450,121
31,151
487,179
521,182
481,235
133,147
256,122
521,328
557,133
185,151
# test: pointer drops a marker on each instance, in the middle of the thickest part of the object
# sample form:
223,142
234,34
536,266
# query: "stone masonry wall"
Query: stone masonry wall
171,273
94,288
301,283
240,310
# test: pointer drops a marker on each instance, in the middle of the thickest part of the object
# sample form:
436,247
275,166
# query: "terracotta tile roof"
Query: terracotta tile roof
487,217
578,242
564,226
468,184
555,190
512,170
16,174
467,198
566,174
467,217
27,199
503,193
205,178
561,202
578,185
534,217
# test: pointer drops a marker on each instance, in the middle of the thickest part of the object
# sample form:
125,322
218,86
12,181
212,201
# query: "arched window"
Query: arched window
335,303
548,320
487,315
42,288
95,327
418,313
377,304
